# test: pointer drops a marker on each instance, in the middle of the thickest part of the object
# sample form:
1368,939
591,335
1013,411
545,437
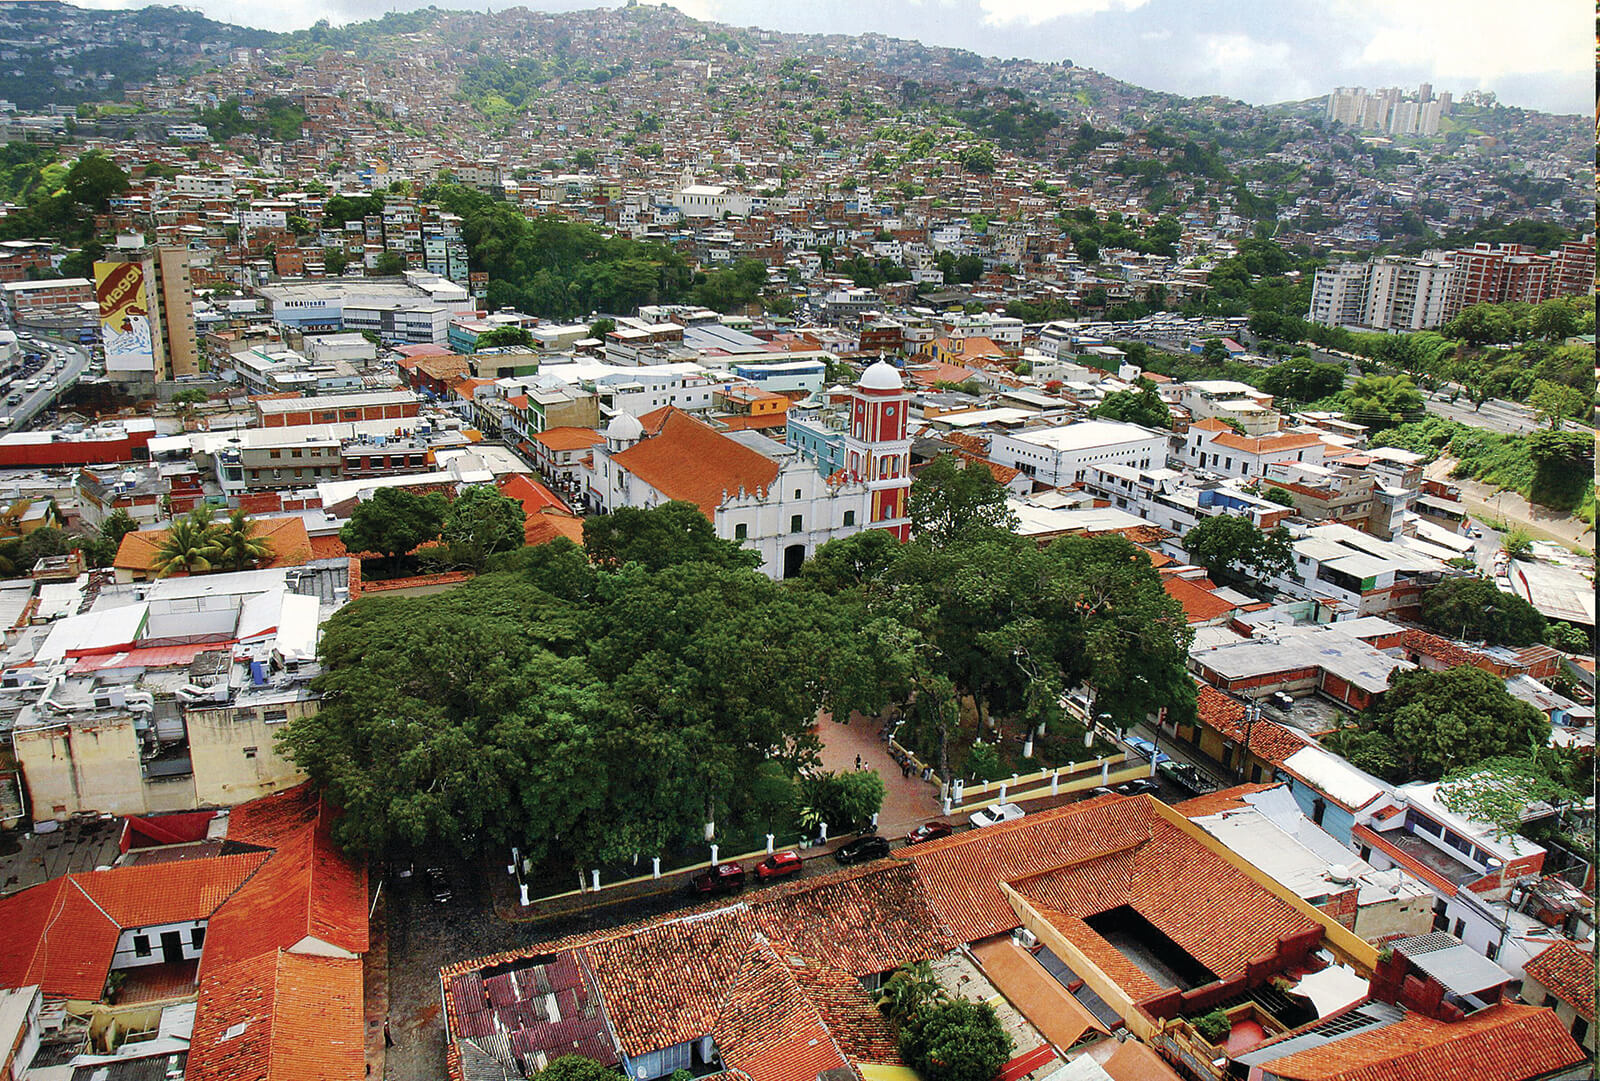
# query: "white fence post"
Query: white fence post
769,844
655,867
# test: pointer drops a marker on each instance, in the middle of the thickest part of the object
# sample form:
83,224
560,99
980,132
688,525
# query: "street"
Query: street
68,359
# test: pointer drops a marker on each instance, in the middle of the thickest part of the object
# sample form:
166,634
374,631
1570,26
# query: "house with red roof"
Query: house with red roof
1563,979
1213,445
773,988
247,961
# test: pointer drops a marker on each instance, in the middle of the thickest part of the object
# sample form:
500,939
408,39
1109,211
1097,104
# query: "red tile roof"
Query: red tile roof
1568,973
1431,645
1228,799
61,934
569,438
682,458
308,890
1200,604
664,980
1506,1042
769,1028
1267,444
962,873
287,539
280,1016
1080,860
1269,740
533,496
271,820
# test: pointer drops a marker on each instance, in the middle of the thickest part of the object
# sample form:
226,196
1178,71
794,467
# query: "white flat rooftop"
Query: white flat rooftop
1084,435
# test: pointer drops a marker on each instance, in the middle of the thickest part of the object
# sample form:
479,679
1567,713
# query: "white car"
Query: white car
993,816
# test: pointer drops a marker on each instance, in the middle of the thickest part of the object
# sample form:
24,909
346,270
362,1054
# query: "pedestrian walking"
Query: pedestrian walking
858,761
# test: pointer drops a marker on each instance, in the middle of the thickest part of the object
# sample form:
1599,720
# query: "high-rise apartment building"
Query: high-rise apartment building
146,299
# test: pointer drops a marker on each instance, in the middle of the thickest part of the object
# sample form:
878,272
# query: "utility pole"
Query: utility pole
1251,712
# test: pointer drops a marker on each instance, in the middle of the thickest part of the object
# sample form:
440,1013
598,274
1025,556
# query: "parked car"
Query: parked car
993,816
1148,749
929,831
1186,777
438,884
723,878
867,847
1138,787
779,865
1282,699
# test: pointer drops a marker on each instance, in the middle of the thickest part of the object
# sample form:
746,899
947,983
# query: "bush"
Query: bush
956,1041
1214,1026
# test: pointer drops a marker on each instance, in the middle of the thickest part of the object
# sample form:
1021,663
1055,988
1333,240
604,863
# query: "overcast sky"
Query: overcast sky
1534,53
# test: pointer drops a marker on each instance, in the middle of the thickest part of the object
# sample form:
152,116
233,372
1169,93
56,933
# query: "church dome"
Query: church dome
881,376
625,428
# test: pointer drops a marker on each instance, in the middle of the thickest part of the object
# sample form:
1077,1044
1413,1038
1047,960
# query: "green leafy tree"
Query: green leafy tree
1302,379
482,522
675,532
1566,637
1383,401
1280,496
189,545
1213,351
1141,405
949,499
394,522
1231,547
509,335
1553,403
389,264
576,1068
334,261
959,1040
845,801
1555,320
39,544
237,546
93,180
1475,609
1517,543
118,524
1429,723
601,327
1482,324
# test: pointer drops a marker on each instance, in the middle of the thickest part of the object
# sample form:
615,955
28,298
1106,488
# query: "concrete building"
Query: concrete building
1215,447
51,294
142,707
1389,293
1062,455
169,345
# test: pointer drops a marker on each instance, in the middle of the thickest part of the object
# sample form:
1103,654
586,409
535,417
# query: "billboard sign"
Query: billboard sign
124,302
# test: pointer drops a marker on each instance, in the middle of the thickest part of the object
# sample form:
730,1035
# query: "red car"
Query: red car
779,865
723,878
929,831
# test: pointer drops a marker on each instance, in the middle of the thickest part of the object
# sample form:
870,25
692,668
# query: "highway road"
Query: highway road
63,364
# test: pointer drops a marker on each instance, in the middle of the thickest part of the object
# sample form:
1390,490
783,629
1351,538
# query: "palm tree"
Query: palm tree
190,545
906,993
237,547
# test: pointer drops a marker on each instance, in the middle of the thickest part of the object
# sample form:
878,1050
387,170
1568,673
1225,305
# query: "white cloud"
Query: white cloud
1482,40
1034,12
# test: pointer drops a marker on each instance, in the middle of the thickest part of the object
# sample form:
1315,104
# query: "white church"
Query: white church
761,493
